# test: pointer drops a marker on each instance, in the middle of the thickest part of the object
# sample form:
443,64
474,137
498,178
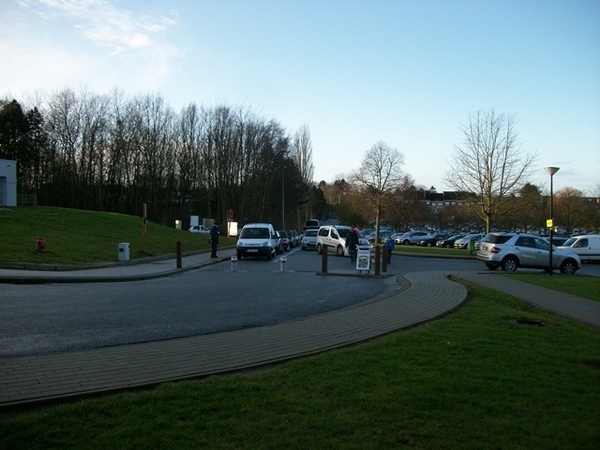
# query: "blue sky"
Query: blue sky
405,72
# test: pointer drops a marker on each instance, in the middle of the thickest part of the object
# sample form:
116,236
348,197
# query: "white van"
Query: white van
334,236
257,240
587,247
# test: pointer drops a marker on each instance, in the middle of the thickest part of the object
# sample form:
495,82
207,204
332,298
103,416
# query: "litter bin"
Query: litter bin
124,251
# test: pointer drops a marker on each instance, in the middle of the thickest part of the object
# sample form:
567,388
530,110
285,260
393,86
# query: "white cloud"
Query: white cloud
59,43
106,25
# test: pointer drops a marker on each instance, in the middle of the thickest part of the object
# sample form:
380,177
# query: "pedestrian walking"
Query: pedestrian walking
214,239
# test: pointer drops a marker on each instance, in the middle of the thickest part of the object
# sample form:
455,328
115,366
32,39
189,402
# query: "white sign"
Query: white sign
363,259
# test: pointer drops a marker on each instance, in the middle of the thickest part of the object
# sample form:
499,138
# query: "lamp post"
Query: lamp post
550,222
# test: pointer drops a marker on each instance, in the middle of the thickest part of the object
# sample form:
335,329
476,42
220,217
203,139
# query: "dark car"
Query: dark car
431,239
449,242
285,240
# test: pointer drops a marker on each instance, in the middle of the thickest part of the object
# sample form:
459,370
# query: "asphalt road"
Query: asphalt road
39,319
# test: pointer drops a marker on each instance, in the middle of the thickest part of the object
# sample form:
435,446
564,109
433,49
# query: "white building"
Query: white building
8,182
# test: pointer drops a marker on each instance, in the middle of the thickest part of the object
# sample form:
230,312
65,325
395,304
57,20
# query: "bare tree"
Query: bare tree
490,166
302,152
570,209
380,174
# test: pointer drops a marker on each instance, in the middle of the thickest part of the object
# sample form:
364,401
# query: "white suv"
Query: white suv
334,236
258,240
512,250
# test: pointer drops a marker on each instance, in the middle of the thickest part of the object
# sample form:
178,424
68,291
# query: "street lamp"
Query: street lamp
550,222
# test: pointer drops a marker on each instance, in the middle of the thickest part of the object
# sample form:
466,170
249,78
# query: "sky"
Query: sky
407,73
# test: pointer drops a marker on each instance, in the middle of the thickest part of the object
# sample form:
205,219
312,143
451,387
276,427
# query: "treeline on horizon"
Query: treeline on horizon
112,153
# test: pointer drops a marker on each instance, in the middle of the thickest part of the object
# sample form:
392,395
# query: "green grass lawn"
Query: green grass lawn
471,380
583,287
80,237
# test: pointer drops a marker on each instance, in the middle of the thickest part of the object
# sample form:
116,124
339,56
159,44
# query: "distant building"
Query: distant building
8,182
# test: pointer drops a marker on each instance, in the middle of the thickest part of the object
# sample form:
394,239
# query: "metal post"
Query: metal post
324,259
551,171
384,260
179,265
377,260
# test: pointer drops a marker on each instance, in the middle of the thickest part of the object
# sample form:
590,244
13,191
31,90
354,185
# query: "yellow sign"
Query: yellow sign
549,223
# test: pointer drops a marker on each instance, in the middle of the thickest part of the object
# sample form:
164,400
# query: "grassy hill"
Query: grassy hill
79,237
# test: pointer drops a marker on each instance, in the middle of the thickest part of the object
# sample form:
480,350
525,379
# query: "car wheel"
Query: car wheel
510,264
491,266
429,244
406,242
568,267
340,250
319,249
447,246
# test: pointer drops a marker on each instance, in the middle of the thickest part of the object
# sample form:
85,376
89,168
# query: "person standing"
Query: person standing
389,246
214,239
352,243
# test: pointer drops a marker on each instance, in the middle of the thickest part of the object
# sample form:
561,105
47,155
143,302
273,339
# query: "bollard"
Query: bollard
234,263
40,244
282,263
179,265
384,260
378,260
324,259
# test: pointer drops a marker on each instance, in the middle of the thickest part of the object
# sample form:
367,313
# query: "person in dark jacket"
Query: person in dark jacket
352,243
214,239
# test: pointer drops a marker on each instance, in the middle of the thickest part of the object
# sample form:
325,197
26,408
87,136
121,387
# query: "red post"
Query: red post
40,244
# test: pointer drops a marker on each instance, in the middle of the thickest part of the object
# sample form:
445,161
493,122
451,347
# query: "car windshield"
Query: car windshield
310,233
569,242
255,233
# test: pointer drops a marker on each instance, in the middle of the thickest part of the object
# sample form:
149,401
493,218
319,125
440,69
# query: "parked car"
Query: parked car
397,237
199,229
383,235
312,224
510,251
334,236
279,247
285,240
449,243
464,241
559,240
586,246
309,240
412,237
293,237
431,239
257,240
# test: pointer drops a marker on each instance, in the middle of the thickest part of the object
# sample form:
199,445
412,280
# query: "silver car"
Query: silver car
512,250
309,240
464,241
